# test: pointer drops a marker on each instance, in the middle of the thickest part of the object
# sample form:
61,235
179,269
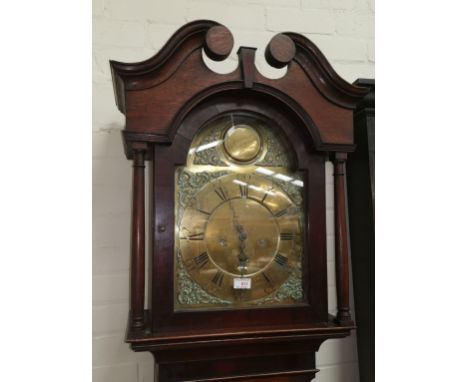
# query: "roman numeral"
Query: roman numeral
221,193
281,213
197,236
218,278
194,236
203,212
281,260
264,197
266,277
244,190
201,260
286,236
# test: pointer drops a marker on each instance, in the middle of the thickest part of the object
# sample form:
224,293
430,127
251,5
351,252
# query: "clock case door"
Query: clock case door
310,163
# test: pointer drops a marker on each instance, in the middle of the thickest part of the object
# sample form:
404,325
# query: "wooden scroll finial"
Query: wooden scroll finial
218,42
280,51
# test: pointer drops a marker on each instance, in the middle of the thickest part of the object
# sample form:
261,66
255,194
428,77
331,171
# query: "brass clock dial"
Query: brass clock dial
239,218
240,227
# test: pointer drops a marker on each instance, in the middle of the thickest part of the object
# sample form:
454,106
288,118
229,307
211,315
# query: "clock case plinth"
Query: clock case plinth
165,100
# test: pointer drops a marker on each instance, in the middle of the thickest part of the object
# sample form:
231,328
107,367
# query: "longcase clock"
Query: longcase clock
238,266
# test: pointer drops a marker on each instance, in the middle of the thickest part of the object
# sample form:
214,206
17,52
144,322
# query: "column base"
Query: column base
344,318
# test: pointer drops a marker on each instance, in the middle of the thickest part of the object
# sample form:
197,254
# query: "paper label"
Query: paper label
242,283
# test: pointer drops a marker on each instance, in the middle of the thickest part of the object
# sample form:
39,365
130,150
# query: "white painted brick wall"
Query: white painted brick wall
320,21
134,30
236,16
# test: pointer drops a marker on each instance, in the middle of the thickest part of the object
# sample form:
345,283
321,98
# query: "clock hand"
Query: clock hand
243,258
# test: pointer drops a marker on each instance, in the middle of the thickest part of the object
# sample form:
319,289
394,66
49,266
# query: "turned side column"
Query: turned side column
137,284
341,241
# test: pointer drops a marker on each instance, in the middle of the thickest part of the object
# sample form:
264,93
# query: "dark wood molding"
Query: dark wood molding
123,73
266,368
132,140
322,74
368,101
145,91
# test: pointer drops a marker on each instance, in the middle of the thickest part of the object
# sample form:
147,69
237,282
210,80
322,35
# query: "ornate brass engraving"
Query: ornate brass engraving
189,292
291,290
188,185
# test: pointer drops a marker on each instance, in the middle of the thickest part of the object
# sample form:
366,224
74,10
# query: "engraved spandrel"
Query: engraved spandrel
293,192
189,292
276,153
291,289
209,156
205,153
188,185
292,185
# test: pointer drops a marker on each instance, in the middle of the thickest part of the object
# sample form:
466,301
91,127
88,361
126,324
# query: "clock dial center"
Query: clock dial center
235,236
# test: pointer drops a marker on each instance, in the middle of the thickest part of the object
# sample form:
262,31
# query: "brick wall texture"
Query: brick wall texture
134,30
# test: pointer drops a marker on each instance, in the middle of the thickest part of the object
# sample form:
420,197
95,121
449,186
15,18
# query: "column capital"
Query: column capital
339,157
137,146
135,142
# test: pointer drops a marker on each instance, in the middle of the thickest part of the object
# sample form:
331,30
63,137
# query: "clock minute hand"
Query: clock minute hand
243,258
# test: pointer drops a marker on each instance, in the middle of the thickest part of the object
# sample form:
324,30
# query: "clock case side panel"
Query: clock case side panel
311,162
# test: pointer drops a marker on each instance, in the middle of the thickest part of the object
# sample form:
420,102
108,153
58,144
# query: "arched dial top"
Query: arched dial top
239,217
240,139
